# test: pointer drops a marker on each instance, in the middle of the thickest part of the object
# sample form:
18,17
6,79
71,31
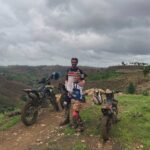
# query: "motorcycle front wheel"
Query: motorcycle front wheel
29,114
105,127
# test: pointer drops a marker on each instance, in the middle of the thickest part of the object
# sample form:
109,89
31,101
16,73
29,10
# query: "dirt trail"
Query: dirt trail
46,134
21,137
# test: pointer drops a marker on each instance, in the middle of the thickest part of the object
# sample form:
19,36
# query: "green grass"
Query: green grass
106,75
69,131
91,118
134,127
79,146
26,78
6,122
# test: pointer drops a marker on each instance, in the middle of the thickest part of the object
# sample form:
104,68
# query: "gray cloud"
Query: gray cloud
100,33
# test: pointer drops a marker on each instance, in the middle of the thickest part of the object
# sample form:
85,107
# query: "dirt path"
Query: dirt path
21,137
46,134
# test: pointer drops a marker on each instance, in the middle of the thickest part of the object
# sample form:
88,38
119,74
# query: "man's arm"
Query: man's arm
66,76
83,74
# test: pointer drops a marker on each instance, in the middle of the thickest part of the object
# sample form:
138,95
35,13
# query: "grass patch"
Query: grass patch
69,131
79,146
6,122
91,118
134,126
106,75
26,78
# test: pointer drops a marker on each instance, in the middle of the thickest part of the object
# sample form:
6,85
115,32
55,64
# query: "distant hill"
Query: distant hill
10,92
14,78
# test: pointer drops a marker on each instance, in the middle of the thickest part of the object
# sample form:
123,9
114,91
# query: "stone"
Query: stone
38,140
15,133
83,141
43,125
141,146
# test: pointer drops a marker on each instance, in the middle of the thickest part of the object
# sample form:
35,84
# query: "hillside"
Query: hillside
47,135
119,78
10,92
14,78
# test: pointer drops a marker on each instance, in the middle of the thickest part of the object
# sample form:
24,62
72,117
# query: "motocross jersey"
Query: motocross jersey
74,75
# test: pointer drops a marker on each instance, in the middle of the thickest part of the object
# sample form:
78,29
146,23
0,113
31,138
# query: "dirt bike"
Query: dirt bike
37,98
109,117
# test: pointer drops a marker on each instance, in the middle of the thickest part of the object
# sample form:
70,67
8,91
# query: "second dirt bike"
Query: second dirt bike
37,98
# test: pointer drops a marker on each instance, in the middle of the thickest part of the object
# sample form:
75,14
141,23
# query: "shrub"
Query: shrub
131,88
145,93
146,70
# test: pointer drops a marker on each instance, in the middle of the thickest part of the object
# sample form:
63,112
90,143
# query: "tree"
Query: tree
123,63
146,70
131,88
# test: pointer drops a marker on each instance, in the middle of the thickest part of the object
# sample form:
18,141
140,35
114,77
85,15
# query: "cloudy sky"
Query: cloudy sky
98,32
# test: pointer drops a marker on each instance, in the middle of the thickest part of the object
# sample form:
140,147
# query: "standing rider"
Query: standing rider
74,78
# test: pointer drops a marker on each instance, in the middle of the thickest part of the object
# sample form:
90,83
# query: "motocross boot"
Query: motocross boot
80,125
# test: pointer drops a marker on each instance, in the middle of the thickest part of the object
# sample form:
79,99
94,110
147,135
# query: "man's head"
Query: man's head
74,62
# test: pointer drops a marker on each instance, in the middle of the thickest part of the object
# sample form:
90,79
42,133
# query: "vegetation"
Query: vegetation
5,104
6,122
145,93
146,70
79,146
131,88
105,75
130,132
27,78
133,129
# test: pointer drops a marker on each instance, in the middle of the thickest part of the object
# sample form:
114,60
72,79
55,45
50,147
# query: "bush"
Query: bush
145,93
146,70
23,98
106,75
131,88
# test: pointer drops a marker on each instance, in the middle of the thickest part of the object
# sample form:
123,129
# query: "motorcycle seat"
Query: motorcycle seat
31,90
